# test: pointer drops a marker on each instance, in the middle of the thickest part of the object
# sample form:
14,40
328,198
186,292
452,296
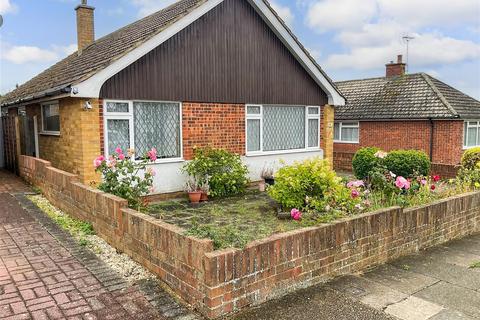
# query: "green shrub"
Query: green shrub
408,163
224,171
470,158
310,184
365,161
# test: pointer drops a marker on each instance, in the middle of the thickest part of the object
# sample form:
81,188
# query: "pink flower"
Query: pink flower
118,151
380,154
296,214
355,184
98,161
355,193
151,190
151,172
121,156
402,183
433,187
152,154
423,182
436,178
112,162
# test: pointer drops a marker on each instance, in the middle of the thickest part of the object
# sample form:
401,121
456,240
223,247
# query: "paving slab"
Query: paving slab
436,268
407,282
453,297
368,292
450,315
453,256
414,308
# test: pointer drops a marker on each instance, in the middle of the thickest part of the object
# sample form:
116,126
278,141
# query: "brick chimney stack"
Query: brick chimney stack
85,25
396,69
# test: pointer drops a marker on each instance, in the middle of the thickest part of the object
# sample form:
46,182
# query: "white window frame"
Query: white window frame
129,116
49,132
260,117
340,126
465,147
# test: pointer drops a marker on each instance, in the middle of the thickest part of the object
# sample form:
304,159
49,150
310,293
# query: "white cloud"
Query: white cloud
32,54
147,7
427,12
370,31
340,14
6,6
284,12
426,50
324,15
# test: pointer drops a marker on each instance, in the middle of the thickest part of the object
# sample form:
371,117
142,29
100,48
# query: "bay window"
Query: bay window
142,125
471,134
346,132
273,128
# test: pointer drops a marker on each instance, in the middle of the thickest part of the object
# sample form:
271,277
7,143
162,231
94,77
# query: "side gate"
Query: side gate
18,139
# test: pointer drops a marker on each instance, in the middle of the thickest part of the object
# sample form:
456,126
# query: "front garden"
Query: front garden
225,208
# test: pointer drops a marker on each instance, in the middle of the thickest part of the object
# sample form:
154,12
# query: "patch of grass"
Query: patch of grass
405,267
475,265
222,236
229,222
77,228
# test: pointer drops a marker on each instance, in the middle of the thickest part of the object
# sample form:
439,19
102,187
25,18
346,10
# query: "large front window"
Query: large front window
274,128
143,125
471,134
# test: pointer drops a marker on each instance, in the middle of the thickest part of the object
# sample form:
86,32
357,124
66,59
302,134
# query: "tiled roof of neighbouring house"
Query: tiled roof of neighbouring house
97,56
100,53
412,96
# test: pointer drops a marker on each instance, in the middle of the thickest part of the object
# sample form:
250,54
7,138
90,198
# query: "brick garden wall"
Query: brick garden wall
223,281
393,135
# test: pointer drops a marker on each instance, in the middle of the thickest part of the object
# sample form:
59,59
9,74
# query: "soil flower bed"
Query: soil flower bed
229,222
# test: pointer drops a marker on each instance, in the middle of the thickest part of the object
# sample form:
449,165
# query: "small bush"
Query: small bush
311,185
470,158
365,161
224,171
408,163
122,176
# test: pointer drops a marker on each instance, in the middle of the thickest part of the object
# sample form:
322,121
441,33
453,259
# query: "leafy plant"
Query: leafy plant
408,163
311,185
475,265
365,161
469,172
224,171
121,176
471,158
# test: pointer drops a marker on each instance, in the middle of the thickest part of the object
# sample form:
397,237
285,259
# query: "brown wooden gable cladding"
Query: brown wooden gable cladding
229,55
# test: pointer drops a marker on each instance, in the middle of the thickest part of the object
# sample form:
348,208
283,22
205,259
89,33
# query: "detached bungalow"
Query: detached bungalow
406,111
225,73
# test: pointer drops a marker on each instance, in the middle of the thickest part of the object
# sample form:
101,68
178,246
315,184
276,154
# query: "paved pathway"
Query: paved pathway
436,284
10,183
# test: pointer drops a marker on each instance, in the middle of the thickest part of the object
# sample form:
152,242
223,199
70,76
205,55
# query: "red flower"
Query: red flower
432,187
436,178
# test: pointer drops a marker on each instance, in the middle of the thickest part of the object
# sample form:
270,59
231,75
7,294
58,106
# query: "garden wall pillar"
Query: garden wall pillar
328,119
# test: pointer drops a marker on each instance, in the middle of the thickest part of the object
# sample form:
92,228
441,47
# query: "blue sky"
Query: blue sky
350,39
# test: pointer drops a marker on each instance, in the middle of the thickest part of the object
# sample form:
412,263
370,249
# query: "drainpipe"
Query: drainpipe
431,139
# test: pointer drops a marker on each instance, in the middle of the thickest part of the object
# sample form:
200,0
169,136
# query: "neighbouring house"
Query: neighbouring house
223,73
406,111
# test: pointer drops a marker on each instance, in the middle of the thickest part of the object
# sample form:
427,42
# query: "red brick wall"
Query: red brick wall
213,124
392,135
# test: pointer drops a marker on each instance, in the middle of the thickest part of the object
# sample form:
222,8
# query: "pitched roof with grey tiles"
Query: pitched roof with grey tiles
100,54
97,56
412,96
